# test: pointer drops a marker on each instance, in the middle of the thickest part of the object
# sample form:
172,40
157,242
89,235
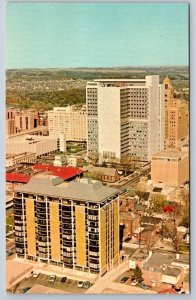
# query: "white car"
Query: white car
35,275
134,282
52,278
80,284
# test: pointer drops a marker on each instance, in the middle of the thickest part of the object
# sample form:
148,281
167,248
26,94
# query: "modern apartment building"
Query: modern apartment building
70,121
125,117
73,225
176,118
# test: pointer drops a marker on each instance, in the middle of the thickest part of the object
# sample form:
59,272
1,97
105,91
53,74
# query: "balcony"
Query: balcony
93,218
94,266
41,210
94,237
41,216
41,204
95,254
42,239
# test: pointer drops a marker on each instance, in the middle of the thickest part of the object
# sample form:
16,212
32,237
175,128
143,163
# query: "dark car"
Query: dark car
86,284
24,290
142,285
124,279
63,279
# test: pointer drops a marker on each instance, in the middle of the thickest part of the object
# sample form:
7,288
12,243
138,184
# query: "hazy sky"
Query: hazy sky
96,35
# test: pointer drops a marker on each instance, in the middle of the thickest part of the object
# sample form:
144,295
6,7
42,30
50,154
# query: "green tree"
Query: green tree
137,274
157,202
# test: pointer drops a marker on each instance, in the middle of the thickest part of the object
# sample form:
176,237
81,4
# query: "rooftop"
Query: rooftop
170,271
140,254
150,220
101,170
169,153
52,186
17,177
119,80
63,172
9,155
159,260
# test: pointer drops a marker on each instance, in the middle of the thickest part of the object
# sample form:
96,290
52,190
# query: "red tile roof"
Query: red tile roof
64,172
17,177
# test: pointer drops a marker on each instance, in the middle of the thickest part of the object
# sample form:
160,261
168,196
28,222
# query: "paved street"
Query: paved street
106,282
127,289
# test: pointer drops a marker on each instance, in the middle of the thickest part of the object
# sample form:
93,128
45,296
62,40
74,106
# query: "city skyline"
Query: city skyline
96,35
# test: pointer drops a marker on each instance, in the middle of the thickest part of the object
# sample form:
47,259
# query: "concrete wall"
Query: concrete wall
170,172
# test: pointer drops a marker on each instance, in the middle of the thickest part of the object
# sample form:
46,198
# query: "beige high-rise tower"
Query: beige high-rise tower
176,118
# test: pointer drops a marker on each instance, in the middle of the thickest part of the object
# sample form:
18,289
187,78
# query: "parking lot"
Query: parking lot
128,274
70,286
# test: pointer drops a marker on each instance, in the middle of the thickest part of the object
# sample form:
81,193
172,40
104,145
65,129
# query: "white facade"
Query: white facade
125,117
73,160
35,144
15,159
60,160
70,121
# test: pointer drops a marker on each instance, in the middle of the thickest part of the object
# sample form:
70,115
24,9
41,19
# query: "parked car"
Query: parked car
52,278
178,290
63,279
80,284
134,281
86,284
124,279
24,290
128,239
35,275
142,285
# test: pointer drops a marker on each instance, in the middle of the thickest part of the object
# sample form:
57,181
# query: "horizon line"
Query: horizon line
114,67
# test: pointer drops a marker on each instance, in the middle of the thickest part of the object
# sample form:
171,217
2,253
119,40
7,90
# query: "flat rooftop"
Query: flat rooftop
140,254
159,259
9,155
54,187
169,153
119,80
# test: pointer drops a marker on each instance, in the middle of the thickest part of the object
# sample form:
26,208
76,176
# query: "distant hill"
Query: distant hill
44,88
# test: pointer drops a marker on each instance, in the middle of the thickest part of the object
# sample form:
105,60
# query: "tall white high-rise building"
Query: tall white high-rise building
125,117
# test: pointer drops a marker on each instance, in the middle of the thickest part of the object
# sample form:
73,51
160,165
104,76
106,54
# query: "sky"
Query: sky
65,35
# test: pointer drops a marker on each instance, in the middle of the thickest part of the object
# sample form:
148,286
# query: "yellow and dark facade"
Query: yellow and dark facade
60,224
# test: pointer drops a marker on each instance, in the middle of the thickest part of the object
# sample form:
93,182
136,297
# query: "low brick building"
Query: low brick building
102,173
